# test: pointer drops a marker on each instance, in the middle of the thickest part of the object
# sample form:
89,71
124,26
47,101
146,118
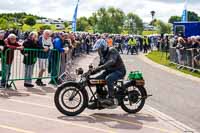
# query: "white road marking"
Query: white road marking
56,120
171,120
15,129
122,121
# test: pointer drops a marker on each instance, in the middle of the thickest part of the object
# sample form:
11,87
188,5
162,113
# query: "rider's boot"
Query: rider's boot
108,102
94,105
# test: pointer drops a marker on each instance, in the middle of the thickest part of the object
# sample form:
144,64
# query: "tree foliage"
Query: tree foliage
4,24
163,27
30,21
45,27
133,24
192,16
173,19
111,20
82,24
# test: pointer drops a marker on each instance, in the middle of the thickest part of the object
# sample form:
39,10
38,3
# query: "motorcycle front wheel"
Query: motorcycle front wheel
134,99
70,100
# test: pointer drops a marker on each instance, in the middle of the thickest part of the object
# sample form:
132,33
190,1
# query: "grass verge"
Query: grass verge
161,58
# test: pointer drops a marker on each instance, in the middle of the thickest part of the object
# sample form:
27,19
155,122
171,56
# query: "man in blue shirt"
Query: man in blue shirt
58,44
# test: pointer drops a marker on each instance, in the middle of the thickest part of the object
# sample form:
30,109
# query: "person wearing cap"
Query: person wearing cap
11,44
112,67
45,42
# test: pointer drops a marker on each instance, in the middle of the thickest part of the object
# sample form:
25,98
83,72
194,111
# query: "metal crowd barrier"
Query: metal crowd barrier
16,62
186,56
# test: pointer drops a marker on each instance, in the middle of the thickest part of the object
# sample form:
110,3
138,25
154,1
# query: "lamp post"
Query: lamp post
153,14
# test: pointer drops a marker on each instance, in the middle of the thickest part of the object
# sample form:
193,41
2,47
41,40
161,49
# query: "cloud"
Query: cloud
65,8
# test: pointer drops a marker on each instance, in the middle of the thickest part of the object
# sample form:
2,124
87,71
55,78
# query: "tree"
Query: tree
45,27
3,24
30,21
82,24
66,24
192,16
93,22
133,24
173,19
163,27
103,21
117,17
109,20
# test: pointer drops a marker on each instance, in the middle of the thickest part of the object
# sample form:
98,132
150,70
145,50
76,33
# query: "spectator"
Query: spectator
118,43
11,44
45,42
30,57
2,44
88,44
58,43
132,46
197,57
65,56
145,44
110,41
179,50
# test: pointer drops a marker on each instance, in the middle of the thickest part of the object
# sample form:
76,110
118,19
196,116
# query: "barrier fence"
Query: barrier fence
184,58
28,64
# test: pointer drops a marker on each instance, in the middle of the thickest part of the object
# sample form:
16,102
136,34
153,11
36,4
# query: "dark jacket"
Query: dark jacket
31,50
2,43
10,53
111,61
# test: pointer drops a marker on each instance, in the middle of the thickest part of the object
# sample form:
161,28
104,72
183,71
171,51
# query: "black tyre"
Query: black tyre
134,100
70,100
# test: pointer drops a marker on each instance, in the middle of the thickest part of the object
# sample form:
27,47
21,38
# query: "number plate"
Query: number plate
140,82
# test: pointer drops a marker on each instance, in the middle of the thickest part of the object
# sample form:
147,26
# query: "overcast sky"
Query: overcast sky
65,8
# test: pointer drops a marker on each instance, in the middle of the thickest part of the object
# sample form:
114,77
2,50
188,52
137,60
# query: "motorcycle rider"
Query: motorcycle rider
112,67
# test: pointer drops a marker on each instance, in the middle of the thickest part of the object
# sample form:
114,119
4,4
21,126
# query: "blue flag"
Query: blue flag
185,15
74,18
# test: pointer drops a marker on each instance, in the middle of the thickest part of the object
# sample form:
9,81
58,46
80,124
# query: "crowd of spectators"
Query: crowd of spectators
187,50
61,48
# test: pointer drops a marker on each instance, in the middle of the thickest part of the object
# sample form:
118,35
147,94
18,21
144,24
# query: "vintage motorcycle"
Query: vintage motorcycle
72,97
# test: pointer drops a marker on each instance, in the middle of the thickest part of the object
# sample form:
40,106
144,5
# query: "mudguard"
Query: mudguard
133,83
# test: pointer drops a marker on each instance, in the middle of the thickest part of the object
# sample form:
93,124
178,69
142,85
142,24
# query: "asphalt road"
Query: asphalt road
33,110
176,96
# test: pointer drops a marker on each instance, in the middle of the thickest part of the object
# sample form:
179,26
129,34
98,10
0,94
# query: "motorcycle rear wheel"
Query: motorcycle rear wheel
134,96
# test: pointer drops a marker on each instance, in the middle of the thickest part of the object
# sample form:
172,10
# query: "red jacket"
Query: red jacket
10,53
